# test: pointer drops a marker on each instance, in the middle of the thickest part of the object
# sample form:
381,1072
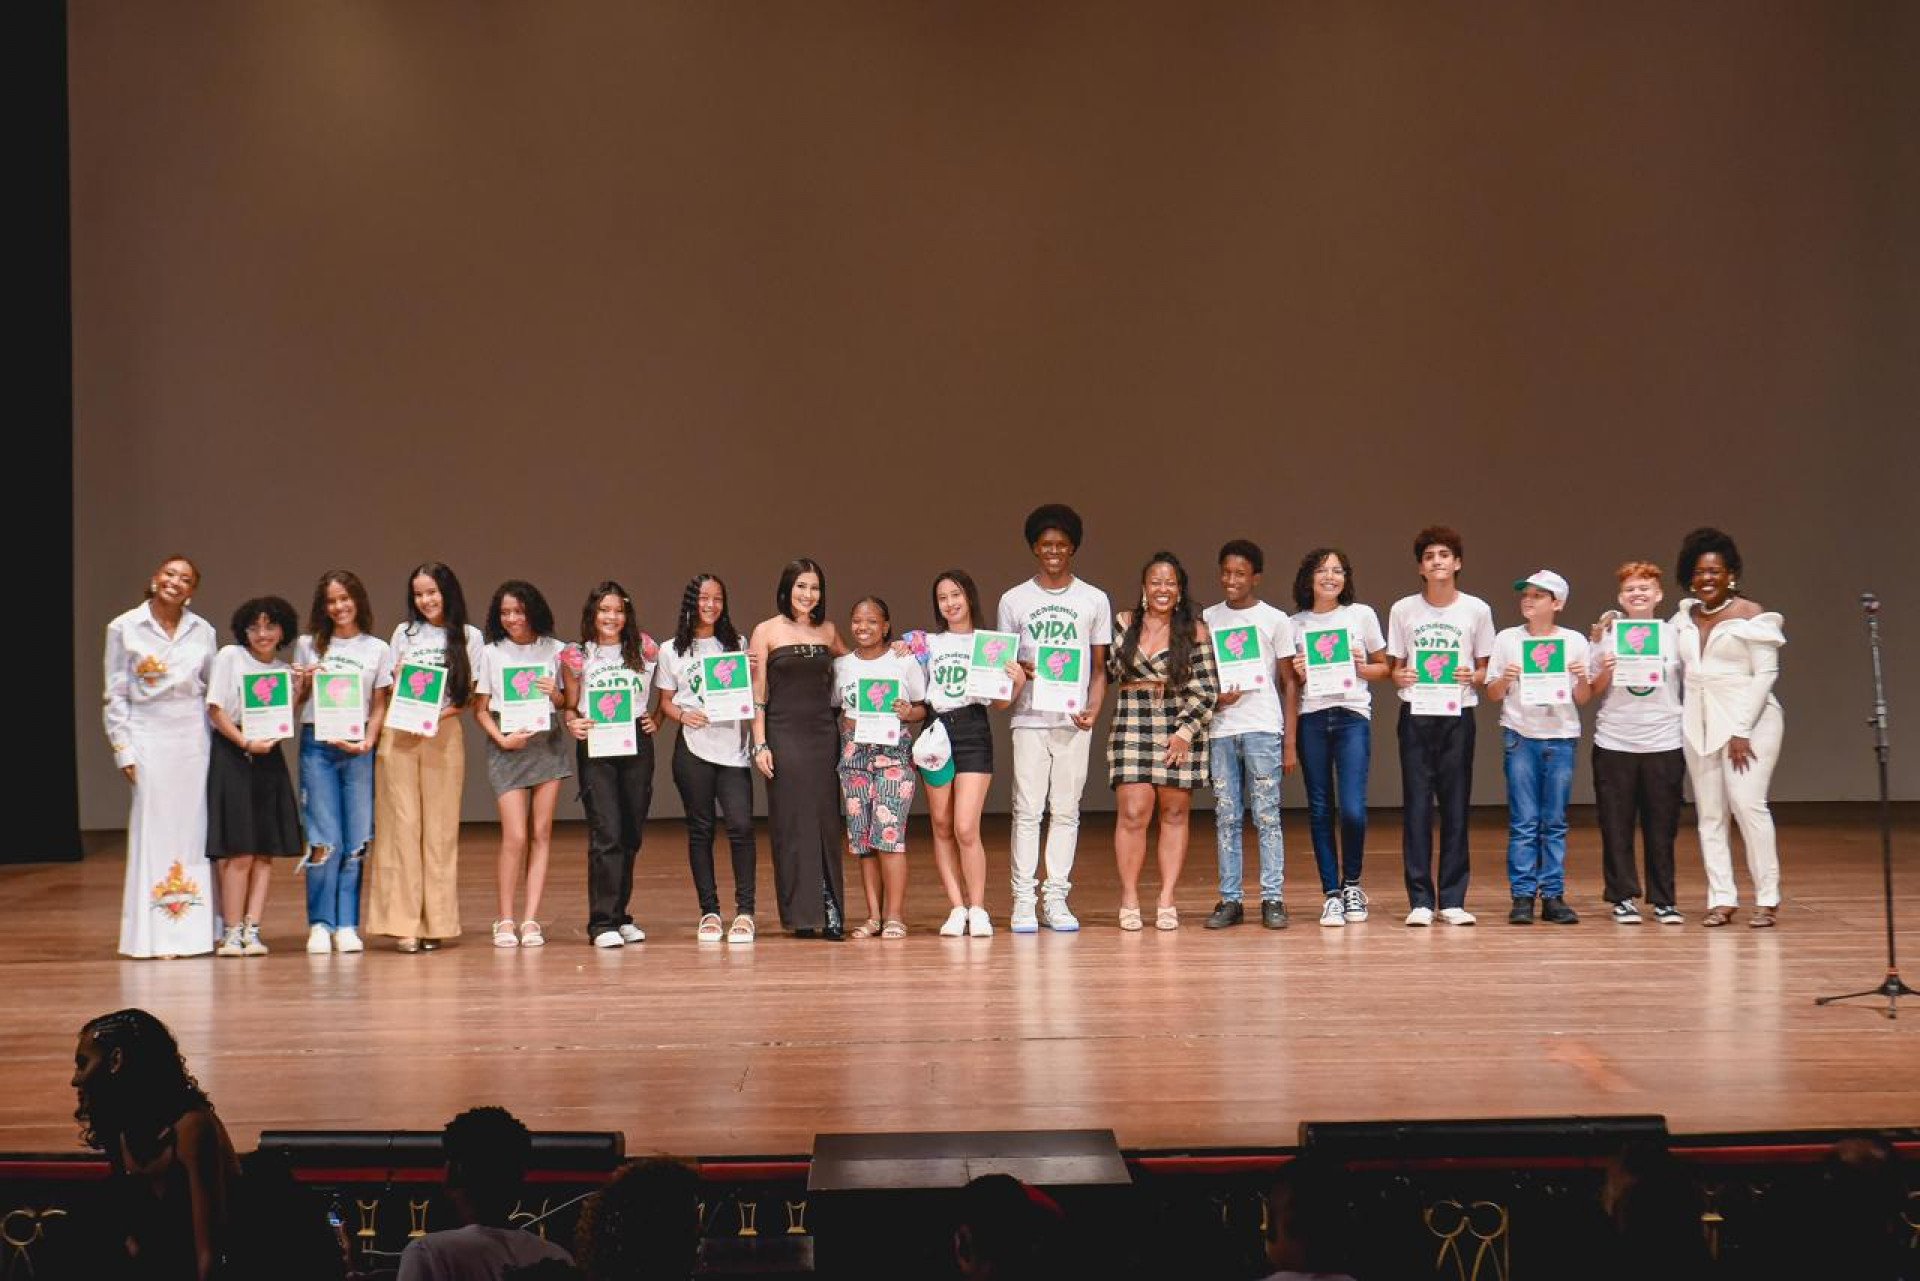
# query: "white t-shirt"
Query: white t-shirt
427,643
949,657
606,669
724,744
1257,710
1363,638
1466,625
1640,718
1077,614
233,666
499,655
368,657
474,1253
1562,720
850,669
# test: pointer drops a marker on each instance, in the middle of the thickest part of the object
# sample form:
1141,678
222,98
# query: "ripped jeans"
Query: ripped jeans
1252,761
336,794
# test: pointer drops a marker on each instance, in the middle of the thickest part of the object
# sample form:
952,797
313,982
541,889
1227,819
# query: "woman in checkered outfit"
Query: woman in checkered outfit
1161,671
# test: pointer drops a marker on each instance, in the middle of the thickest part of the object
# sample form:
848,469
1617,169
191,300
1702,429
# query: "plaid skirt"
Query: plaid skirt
1137,744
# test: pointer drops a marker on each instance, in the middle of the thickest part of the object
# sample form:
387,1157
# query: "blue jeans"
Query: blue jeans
1255,759
1539,781
336,794
1336,747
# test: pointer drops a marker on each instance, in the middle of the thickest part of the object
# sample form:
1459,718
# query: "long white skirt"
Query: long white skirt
166,908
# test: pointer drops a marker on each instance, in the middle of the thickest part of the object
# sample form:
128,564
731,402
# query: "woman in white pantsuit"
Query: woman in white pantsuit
1729,649
159,655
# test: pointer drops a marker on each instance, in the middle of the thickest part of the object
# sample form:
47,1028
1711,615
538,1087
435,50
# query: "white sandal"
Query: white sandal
710,931
531,935
1167,918
740,933
503,935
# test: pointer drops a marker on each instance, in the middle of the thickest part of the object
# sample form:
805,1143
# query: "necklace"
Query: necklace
1717,608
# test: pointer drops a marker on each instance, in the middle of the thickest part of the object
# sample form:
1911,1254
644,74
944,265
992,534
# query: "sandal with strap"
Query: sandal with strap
1717,917
1762,918
894,930
1130,919
869,928
503,935
710,931
531,935
741,932
1167,918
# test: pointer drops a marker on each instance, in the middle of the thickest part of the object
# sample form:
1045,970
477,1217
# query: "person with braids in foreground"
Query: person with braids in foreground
173,1166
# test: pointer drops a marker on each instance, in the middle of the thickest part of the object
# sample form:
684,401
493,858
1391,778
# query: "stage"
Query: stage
1190,1039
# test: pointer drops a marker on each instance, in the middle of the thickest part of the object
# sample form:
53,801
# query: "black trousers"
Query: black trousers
1643,786
1436,767
702,784
617,792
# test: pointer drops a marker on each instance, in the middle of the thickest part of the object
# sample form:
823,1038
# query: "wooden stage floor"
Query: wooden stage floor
1188,1039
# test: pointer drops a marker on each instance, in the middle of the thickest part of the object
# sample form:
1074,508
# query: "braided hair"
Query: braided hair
723,629
150,1090
1179,627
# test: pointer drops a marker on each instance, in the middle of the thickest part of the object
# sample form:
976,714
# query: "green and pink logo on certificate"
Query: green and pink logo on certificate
877,696
1543,657
266,698
611,706
521,684
337,693
1326,648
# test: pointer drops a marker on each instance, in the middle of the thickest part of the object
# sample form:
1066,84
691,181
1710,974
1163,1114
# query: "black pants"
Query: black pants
1643,785
617,792
1436,765
701,783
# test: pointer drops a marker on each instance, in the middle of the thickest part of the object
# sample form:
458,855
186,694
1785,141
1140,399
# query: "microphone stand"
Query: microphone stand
1892,988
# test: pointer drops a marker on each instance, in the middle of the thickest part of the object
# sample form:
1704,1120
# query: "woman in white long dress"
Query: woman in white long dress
158,657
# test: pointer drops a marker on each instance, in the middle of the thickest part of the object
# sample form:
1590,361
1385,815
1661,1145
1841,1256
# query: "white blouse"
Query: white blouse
146,666
1729,686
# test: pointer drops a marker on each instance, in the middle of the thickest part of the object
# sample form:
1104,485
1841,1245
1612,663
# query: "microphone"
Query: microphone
1869,602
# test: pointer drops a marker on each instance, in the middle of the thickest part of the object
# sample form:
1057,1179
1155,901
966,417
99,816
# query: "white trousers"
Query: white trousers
1720,793
1049,773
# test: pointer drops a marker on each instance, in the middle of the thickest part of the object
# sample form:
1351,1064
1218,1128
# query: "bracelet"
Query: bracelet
759,748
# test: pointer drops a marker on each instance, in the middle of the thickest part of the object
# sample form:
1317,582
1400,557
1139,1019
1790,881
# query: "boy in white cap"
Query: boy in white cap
1539,674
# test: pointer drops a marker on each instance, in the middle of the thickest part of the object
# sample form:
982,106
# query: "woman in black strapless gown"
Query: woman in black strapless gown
796,745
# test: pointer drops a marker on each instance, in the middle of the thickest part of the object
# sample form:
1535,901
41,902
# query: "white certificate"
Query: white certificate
1639,652
418,690
1543,672
726,687
523,708
873,716
1331,671
1242,659
1060,679
339,707
266,705
987,666
1435,692
611,702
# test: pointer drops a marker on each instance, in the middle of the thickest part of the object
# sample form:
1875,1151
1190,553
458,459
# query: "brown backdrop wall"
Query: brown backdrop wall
569,290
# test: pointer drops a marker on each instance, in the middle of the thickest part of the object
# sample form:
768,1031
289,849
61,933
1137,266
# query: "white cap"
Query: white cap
1547,581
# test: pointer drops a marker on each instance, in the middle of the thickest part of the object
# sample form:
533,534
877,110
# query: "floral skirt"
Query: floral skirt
876,791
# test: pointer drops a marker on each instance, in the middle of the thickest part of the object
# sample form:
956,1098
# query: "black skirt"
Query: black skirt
250,806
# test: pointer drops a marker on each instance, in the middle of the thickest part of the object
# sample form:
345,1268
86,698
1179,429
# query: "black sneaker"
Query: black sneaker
1273,914
1226,912
1522,913
1554,911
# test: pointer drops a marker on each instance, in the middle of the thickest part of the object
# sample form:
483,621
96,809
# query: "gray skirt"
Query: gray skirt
542,760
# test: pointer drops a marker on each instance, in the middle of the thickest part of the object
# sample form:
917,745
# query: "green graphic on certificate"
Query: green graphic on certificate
1543,657
1435,666
1632,639
1236,645
610,706
1328,647
337,691
418,683
876,696
1058,664
266,690
521,684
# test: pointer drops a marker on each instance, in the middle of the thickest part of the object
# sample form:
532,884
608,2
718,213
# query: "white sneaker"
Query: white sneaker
320,940
232,943
250,941
955,925
345,939
608,938
1457,916
1354,900
1332,913
1024,921
1420,916
1057,916
631,933
979,924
